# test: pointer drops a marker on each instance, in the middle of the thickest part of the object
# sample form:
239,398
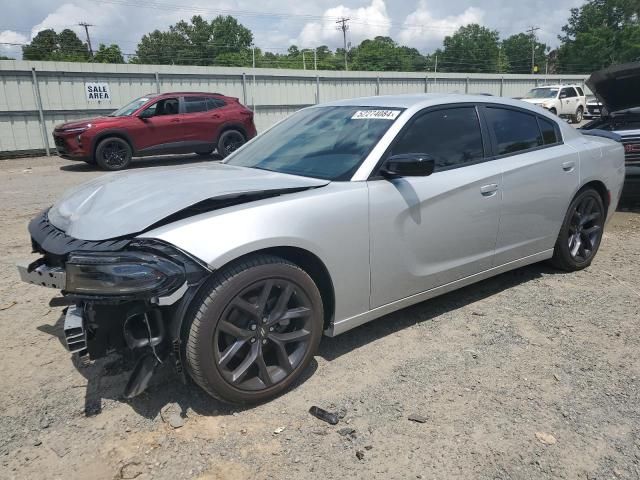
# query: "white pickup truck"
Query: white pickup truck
563,100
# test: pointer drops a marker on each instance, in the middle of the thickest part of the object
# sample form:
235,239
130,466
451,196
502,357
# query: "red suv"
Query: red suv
158,124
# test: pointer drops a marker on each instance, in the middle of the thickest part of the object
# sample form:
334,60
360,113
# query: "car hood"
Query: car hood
83,123
127,203
617,87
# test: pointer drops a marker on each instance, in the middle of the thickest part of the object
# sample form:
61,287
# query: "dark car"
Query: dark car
617,89
179,122
594,107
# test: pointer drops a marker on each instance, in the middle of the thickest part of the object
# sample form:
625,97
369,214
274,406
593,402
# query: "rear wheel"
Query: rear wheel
581,232
254,330
579,115
229,142
113,153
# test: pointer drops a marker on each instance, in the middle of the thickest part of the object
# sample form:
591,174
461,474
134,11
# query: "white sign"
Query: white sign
377,114
97,92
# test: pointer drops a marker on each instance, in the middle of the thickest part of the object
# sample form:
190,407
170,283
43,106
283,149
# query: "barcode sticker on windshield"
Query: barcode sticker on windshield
377,114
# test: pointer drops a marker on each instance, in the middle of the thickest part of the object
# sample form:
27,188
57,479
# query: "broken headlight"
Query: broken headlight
122,274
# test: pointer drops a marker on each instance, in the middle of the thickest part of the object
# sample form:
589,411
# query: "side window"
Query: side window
213,103
451,136
195,104
166,106
548,129
580,92
515,131
571,92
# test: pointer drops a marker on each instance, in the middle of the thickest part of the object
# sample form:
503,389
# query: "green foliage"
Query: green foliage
471,48
49,45
599,34
382,53
110,54
223,41
2,57
516,53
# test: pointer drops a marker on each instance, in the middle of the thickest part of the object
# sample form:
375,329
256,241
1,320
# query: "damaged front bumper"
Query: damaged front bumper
126,295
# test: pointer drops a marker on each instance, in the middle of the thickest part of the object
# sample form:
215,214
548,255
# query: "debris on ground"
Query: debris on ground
322,414
278,430
546,438
414,417
360,454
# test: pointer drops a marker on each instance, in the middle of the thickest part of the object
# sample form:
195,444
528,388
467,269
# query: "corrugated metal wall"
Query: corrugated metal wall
273,93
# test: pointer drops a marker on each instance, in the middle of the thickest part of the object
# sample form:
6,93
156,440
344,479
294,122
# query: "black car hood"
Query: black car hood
617,87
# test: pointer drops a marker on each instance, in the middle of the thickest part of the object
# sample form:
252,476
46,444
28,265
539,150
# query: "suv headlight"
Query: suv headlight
78,129
122,274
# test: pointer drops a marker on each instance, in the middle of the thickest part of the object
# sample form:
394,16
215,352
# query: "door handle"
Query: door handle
489,190
569,166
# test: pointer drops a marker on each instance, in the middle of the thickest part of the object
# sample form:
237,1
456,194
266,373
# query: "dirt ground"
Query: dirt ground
534,374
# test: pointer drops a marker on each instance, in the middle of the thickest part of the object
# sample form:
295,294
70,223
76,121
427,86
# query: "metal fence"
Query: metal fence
36,96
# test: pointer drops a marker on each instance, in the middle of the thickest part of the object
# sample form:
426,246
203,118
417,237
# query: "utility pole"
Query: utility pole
86,30
533,31
344,27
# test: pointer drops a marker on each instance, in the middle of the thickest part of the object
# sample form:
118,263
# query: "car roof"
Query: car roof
189,93
559,86
426,100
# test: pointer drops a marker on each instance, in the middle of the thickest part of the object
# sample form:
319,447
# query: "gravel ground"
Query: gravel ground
534,374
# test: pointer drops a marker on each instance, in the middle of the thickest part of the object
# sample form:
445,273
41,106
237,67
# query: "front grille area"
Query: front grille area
631,149
61,145
594,109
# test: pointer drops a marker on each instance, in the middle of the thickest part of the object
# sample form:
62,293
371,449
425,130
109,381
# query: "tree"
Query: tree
48,45
471,48
110,54
223,41
2,57
516,51
598,34
382,53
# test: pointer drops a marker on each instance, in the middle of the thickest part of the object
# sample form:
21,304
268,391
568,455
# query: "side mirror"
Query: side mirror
146,113
408,165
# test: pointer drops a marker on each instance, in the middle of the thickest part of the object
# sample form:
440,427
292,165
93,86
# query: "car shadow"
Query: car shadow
147,162
107,377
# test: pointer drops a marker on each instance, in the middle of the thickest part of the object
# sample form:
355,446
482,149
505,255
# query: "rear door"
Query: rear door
429,231
202,120
570,101
540,174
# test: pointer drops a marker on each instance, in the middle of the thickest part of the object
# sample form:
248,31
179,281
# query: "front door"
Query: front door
162,130
430,231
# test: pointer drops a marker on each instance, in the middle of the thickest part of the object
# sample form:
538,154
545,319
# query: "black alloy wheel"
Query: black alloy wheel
254,329
581,233
229,142
113,154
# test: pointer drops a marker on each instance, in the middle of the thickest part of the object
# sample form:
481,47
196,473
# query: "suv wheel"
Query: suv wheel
113,153
577,118
254,330
229,142
581,232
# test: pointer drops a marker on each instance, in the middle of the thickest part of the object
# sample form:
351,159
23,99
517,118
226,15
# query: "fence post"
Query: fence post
157,82
466,85
317,89
377,86
244,88
43,127
426,83
501,86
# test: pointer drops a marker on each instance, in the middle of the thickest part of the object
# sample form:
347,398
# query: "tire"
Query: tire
113,153
582,227
553,111
90,161
579,115
234,355
204,153
229,142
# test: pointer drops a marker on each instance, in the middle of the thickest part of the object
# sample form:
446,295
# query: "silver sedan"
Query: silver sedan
339,214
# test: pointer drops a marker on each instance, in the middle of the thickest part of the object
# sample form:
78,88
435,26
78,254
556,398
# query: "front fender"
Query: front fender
330,222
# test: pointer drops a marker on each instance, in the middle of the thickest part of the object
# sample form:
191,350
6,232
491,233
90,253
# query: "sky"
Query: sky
277,24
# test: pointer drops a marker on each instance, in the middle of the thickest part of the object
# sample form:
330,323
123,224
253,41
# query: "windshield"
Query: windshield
323,142
130,108
543,93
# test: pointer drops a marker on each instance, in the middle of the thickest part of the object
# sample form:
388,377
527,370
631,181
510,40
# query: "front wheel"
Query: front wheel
581,232
254,330
229,142
113,153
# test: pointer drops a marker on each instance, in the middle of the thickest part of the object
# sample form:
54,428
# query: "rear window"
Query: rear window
213,103
515,131
580,92
195,104
548,129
